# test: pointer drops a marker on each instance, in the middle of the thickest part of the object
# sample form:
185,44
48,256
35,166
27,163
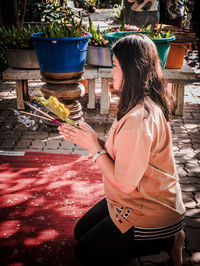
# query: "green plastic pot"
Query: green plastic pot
112,37
163,46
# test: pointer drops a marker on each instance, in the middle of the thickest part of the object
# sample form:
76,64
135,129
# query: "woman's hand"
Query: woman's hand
84,137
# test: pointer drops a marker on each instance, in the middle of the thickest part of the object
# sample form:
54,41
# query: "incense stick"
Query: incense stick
40,111
52,138
39,116
55,120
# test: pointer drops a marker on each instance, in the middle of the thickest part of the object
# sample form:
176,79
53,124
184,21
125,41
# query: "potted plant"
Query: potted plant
61,49
178,47
98,51
162,41
114,33
176,55
19,47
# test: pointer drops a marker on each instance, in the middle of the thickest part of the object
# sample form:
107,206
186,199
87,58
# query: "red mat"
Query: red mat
41,198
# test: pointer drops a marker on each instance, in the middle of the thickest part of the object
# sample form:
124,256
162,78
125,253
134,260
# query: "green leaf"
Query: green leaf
160,28
122,26
148,28
168,34
159,35
91,27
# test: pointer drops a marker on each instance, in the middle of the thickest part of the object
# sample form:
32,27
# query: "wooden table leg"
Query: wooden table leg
22,93
91,94
105,100
180,98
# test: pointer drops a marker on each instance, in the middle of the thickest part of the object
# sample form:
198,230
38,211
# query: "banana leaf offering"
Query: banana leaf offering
56,107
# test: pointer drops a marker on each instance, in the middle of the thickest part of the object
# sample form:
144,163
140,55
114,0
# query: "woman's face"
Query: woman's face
117,75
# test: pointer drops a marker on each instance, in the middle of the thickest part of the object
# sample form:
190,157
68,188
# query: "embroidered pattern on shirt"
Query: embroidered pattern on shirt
127,213
123,215
120,210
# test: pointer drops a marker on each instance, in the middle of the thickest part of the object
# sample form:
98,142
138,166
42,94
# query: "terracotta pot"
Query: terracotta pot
176,55
85,84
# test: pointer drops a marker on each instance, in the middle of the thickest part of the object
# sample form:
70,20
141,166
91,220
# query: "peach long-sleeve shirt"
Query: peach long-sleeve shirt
145,190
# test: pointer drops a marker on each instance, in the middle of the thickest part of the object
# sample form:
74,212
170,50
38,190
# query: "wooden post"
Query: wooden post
91,94
105,99
22,93
180,98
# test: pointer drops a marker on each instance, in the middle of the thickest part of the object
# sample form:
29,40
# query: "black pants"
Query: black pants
100,242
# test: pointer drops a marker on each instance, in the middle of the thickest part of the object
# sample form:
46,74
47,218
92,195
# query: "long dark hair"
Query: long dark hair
142,73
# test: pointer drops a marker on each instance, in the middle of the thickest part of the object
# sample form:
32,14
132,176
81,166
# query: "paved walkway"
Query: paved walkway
16,136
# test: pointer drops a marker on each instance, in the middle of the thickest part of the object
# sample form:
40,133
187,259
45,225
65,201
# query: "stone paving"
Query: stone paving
16,136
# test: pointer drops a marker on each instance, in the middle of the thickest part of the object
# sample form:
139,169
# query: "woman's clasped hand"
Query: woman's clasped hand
84,136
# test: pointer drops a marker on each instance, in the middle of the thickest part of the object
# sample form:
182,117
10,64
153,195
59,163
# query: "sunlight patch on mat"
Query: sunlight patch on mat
12,153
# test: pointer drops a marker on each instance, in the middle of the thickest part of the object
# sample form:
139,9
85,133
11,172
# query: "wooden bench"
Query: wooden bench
22,76
176,77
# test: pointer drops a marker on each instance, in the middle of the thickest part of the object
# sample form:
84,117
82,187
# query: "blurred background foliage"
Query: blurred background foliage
21,12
